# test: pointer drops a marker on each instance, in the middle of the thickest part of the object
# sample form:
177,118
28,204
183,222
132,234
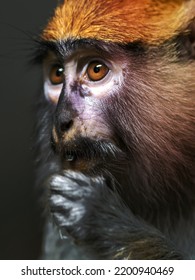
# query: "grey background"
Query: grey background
20,235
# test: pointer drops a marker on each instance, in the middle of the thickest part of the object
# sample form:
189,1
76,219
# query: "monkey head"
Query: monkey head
114,75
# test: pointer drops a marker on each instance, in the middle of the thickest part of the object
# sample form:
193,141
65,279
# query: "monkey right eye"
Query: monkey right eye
56,75
96,71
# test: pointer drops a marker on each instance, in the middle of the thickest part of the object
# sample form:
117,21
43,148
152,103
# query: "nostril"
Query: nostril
65,126
64,118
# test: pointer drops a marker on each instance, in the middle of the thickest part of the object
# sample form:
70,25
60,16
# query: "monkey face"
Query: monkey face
78,81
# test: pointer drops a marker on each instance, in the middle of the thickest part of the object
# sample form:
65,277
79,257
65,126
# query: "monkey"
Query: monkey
115,144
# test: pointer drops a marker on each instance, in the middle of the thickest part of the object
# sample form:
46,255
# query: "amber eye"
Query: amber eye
56,75
96,71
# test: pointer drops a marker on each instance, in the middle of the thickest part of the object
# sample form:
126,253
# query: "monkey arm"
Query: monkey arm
96,217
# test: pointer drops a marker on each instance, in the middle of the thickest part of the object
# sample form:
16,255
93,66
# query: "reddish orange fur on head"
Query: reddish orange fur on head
122,21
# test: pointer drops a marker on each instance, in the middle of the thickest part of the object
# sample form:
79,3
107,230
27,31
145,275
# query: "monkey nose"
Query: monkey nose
64,119
59,130
63,126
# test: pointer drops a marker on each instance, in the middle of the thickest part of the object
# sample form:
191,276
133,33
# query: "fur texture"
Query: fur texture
122,21
137,201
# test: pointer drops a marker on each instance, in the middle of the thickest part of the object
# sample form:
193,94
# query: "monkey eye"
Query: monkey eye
56,75
96,71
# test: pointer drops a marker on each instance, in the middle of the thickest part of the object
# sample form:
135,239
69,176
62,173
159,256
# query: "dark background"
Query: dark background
20,236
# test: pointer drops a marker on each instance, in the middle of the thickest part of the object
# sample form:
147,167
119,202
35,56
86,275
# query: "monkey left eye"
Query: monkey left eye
56,75
96,71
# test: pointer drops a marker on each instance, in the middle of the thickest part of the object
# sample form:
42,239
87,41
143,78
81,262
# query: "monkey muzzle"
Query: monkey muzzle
85,154
75,152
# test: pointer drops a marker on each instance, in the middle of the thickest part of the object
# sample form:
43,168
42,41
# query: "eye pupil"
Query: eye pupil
59,72
97,68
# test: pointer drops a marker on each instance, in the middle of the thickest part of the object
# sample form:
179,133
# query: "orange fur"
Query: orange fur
150,21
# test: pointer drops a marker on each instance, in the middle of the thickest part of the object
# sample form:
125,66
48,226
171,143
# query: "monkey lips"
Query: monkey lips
86,155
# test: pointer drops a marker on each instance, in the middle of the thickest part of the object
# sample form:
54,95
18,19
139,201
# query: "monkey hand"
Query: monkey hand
70,197
95,217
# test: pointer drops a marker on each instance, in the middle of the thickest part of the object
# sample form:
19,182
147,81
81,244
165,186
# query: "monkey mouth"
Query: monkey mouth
70,156
80,159
84,154
73,155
